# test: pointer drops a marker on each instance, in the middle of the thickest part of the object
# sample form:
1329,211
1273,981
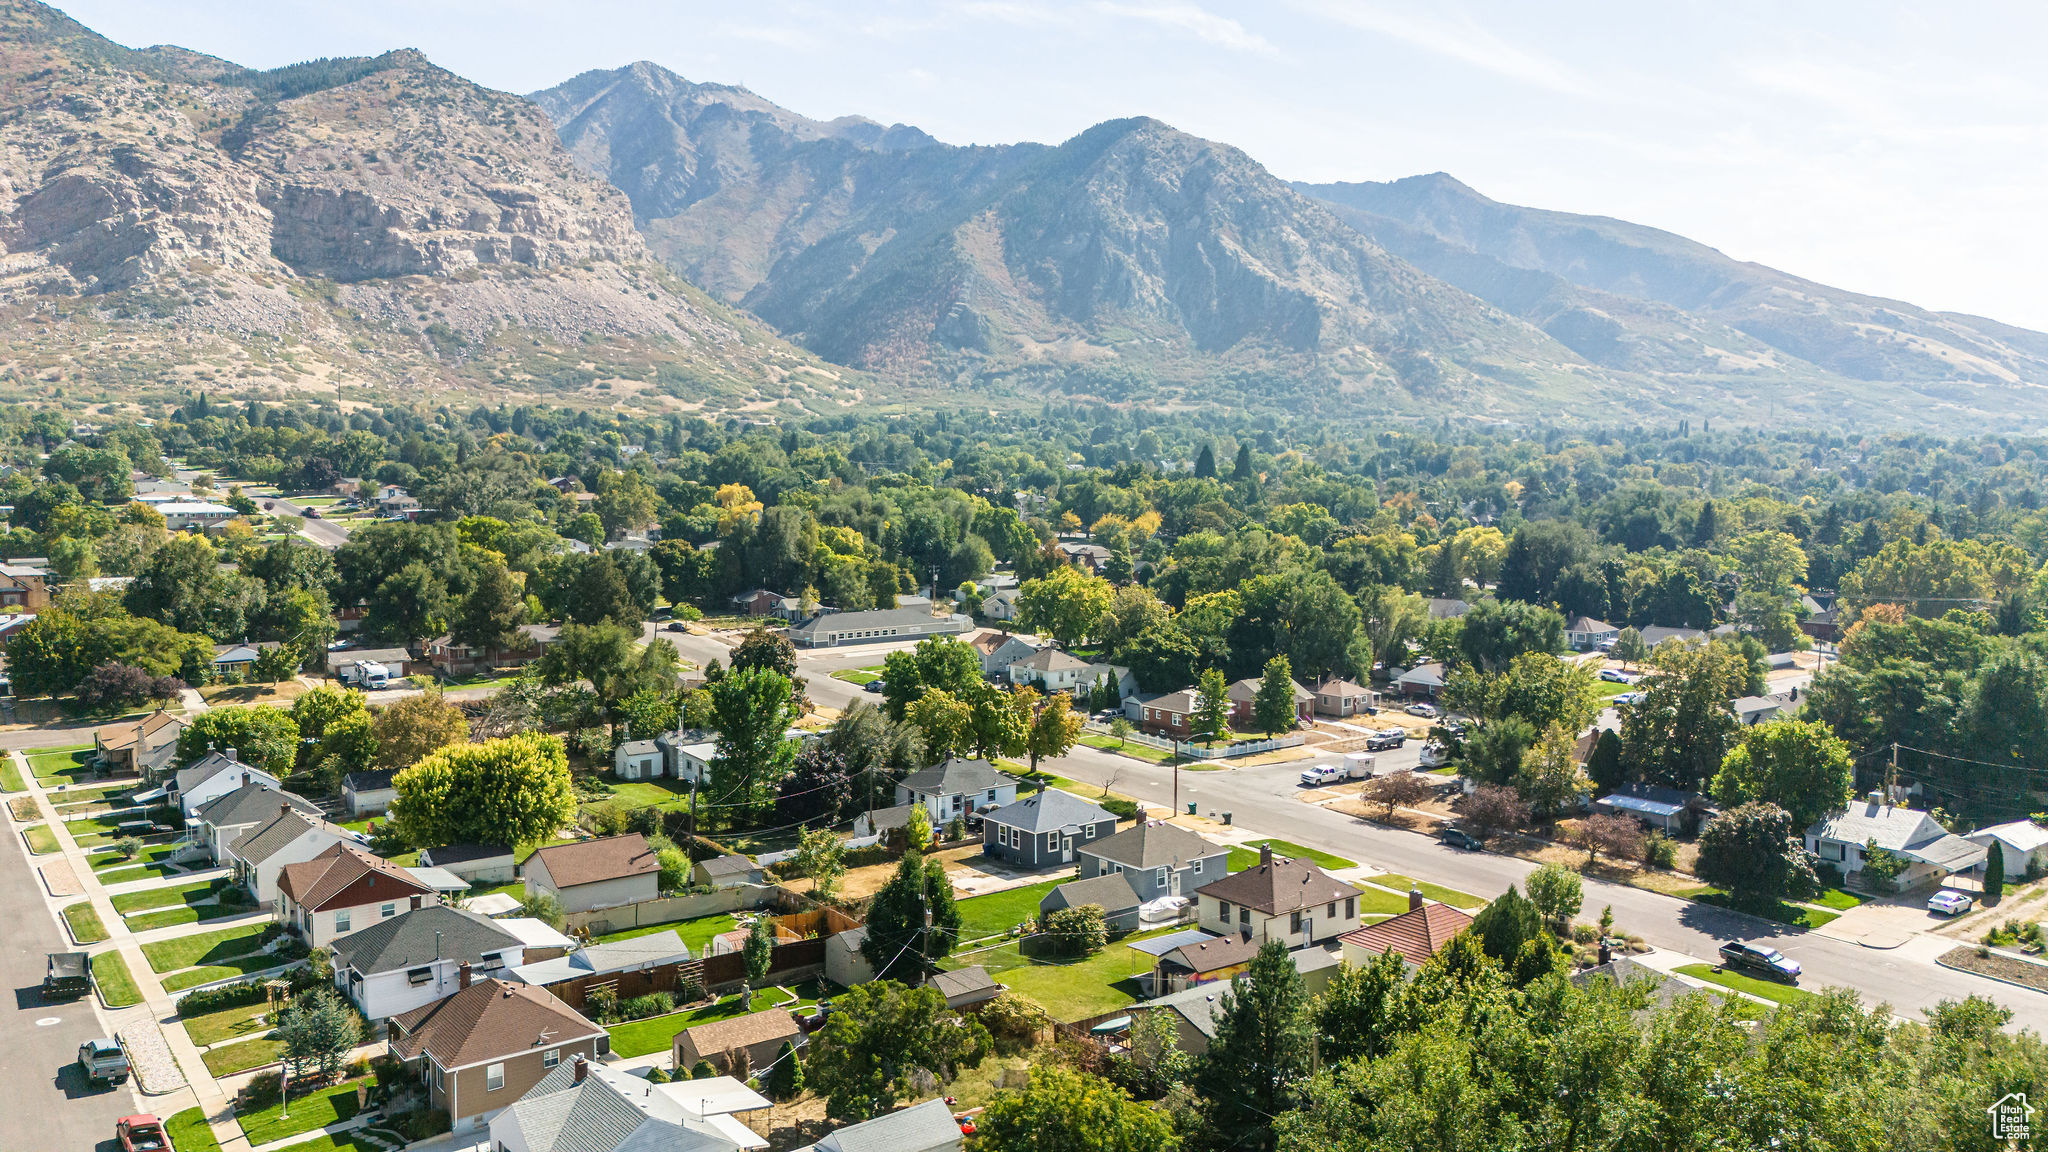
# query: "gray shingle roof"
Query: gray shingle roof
1049,811
1153,845
369,780
1112,892
866,621
408,940
957,775
267,839
727,866
251,803
922,1127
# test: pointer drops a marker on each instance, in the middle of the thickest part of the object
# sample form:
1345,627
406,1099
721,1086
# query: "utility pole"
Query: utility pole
1891,776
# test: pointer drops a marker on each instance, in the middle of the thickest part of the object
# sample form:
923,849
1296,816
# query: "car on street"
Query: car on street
1316,775
1426,711
1626,697
1760,958
1612,676
67,975
104,1061
1435,755
142,1133
1606,645
674,626
1385,738
1459,838
873,686
1949,902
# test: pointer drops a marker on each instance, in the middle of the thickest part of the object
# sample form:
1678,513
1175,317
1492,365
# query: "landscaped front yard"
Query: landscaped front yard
229,1059
1770,990
204,948
189,1132
41,840
1436,892
85,923
317,1110
148,898
657,1033
1127,748
1248,856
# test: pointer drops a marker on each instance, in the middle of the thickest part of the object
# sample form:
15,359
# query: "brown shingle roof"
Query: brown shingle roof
1214,955
742,1031
488,1020
1281,886
593,861
128,735
346,876
1416,934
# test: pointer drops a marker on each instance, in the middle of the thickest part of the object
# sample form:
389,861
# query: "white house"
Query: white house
345,889
1291,901
182,514
1930,851
476,863
290,836
1055,670
212,776
956,787
225,819
2023,843
601,873
1000,604
416,958
584,1106
369,792
999,650
637,760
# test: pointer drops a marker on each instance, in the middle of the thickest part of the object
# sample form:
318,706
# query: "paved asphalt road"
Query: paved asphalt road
327,534
45,1104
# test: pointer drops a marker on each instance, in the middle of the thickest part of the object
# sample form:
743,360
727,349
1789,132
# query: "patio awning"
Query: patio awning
1161,945
1108,1026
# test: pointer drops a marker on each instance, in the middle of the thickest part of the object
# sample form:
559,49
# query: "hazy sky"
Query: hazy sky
1895,149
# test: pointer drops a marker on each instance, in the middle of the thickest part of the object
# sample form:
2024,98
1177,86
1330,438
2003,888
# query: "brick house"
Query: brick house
1245,691
452,659
481,1049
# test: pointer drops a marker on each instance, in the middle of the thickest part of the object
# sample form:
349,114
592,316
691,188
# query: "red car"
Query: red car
141,1134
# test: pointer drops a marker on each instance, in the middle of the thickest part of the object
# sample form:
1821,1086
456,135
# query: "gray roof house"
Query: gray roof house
1421,680
637,759
1159,859
880,626
634,955
290,836
417,957
1667,809
584,1106
1930,851
956,787
222,821
1751,710
966,987
926,1127
1044,830
728,871
1112,893
370,791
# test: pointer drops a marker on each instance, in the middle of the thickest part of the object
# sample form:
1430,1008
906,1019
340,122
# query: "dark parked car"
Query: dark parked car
675,626
1758,958
67,974
1459,838
872,686
1384,739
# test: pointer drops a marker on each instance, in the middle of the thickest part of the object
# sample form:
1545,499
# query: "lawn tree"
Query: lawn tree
1054,730
1549,778
1492,809
752,711
1156,1063
818,788
1211,721
1273,703
820,855
1395,791
999,722
1881,867
544,907
863,1057
917,829
945,721
899,944
1994,872
1062,1110
1359,1014
1753,852
316,1031
675,870
264,736
513,790
939,662
1065,604
1629,647
1618,837
1558,894
115,687
1603,767
786,1079
1261,1055
1678,732
1799,765
1510,932
758,952
1120,729
416,727
1077,931
1535,686
1494,754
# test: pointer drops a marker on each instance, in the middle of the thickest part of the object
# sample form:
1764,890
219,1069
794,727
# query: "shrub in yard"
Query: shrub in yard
602,1001
1660,851
1120,808
425,1125
702,1070
786,1078
657,1075
1584,933
262,1090
640,1007
956,829
128,847
688,992
1013,1022
1077,931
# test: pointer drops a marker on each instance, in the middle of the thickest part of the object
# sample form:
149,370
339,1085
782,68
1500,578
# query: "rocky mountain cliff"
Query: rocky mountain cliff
1604,280
1133,261
379,222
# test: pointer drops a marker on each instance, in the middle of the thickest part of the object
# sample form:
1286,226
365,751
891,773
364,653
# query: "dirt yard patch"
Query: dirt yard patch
1998,966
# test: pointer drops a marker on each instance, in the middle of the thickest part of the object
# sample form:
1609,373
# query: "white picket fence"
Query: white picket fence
1198,752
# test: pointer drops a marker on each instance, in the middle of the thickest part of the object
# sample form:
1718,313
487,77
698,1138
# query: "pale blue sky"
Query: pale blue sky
1895,149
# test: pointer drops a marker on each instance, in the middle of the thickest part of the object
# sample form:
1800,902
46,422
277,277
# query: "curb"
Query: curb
1986,976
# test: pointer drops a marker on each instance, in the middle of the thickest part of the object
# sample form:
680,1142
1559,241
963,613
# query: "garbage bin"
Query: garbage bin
1191,807
1226,817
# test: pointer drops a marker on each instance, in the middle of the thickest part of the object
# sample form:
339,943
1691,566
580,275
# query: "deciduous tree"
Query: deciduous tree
511,790
900,944
416,726
880,1032
1062,1110
1754,852
1796,764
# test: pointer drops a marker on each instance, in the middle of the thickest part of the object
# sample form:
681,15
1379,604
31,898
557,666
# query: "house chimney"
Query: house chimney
284,809
231,754
462,976
1414,898
1265,855
581,1068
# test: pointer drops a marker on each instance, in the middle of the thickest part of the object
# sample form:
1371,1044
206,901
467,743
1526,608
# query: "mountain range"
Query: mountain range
629,236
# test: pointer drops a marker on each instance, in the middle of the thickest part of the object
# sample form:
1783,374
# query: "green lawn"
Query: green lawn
164,897
1136,751
61,763
204,948
229,1059
697,934
242,1022
1607,690
117,986
41,840
1436,892
189,1132
129,875
657,1033
150,855
649,793
998,912
345,1142
1784,913
10,776
1296,852
318,1110
1069,989
85,923
857,676
227,969
1770,990
1837,899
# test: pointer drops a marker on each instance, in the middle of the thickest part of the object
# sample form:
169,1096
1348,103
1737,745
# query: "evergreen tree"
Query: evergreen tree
1205,463
1241,468
1706,526
1994,873
1603,767
1259,1060
1273,705
1359,1014
897,932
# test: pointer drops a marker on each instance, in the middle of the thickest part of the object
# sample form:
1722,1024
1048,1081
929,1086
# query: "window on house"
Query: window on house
1294,923
418,975
387,910
491,960
551,1057
1091,831
341,920
1350,907
1159,876
1244,917
1332,913
494,1077
1052,841
1198,867
1223,910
